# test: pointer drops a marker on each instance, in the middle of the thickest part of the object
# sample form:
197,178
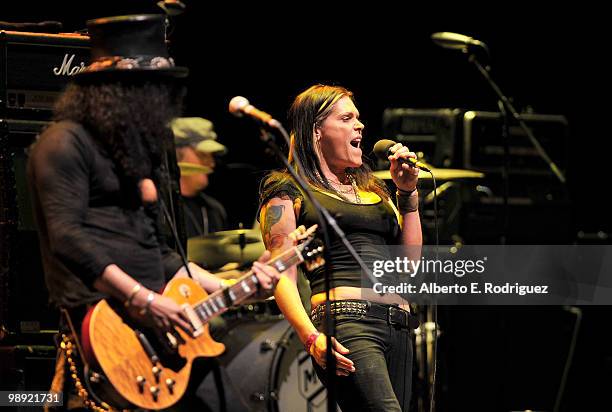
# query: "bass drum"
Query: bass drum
264,368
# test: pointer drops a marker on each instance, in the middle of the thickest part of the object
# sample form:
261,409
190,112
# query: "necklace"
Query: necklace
346,189
355,189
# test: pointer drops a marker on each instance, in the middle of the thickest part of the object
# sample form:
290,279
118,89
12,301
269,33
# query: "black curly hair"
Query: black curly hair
128,119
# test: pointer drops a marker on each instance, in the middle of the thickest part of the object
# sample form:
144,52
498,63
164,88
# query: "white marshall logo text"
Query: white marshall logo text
66,69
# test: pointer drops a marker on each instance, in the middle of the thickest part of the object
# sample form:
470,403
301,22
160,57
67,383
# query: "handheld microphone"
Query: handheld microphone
382,150
240,106
457,41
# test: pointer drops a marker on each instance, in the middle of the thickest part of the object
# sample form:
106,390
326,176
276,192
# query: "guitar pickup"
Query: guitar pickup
196,323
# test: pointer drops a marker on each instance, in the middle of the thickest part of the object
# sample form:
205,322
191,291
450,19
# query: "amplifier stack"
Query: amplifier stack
34,69
471,141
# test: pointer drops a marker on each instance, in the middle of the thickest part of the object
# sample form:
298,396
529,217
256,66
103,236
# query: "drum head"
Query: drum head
265,368
296,385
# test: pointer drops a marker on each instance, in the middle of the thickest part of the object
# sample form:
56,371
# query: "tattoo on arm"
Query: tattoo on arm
273,216
276,241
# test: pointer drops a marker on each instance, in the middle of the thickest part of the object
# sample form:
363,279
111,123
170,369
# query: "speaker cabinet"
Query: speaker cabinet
24,304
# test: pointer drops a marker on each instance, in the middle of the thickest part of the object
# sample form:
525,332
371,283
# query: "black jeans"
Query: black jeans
382,355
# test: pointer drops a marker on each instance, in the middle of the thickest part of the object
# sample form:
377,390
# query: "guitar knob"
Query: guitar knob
154,391
170,384
156,372
140,380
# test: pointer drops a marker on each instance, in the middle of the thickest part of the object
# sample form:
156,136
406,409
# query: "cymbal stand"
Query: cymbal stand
425,344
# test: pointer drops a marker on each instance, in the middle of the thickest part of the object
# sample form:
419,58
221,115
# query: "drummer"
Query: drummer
196,147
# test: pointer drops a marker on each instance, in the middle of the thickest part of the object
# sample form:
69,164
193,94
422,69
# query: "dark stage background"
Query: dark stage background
549,60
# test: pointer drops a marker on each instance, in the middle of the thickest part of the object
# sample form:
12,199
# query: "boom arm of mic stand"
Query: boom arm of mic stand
472,58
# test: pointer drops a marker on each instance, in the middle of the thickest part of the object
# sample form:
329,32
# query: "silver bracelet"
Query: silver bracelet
150,299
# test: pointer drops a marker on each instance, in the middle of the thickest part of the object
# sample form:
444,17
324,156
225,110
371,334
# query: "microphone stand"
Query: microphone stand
505,170
326,220
517,117
505,108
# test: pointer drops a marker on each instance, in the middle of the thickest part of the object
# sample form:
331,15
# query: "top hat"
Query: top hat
134,44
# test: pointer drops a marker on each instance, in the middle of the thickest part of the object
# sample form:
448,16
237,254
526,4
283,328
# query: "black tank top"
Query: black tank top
368,227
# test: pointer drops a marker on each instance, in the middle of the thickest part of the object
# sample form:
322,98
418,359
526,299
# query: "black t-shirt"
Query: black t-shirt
203,215
370,228
82,221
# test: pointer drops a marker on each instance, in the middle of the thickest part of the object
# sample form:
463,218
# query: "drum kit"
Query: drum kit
440,174
265,367
237,247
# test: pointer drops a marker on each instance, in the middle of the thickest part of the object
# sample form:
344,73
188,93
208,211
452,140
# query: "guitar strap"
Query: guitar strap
66,352
75,335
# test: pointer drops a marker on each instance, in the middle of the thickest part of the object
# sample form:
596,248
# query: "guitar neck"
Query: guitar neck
245,287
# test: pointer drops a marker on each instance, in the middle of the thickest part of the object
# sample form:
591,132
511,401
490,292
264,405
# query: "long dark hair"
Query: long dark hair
309,109
128,119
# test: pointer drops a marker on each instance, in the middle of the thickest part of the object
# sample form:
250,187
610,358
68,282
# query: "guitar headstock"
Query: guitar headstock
301,233
310,247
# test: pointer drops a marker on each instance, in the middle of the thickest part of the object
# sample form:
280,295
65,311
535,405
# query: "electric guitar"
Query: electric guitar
132,366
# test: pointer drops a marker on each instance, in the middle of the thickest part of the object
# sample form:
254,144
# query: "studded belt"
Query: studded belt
394,315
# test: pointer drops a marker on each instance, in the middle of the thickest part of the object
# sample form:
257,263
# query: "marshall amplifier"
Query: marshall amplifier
434,132
34,69
23,294
483,143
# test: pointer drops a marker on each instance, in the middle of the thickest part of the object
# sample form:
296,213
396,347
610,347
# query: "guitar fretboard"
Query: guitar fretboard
246,286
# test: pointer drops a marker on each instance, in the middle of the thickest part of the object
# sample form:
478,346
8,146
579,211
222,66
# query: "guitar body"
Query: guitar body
112,340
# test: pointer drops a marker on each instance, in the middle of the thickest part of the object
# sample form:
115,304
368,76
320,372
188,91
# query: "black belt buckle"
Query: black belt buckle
391,317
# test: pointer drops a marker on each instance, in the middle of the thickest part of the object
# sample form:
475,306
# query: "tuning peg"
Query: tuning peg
297,233
312,265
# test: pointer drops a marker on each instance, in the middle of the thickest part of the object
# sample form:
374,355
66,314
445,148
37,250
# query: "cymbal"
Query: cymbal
233,236
188,169
440,174
217,249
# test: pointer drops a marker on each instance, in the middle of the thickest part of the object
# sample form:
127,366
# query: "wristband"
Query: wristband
401,192
407,201
311,339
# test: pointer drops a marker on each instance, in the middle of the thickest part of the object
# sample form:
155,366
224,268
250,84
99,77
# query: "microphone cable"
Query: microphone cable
434,307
